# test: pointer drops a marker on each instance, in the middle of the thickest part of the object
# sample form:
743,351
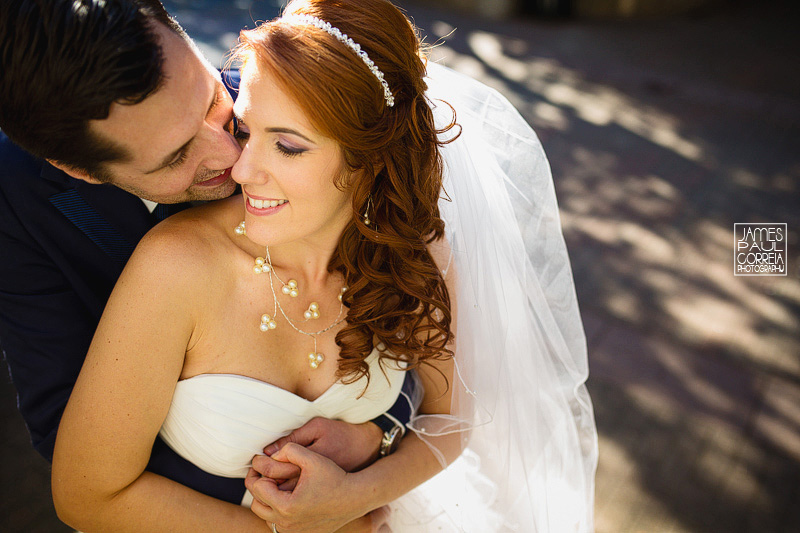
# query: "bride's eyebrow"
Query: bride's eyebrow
290,131
275,129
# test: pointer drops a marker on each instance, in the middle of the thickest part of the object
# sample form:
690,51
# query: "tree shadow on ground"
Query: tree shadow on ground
652,168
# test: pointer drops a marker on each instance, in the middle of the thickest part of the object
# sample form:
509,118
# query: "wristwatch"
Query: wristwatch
392,433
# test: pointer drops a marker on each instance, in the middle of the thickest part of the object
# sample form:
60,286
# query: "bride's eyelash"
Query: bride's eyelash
288,152
241,133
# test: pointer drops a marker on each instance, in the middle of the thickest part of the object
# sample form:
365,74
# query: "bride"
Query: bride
353,256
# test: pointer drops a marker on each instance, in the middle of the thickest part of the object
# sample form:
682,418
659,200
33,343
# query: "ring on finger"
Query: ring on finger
274,529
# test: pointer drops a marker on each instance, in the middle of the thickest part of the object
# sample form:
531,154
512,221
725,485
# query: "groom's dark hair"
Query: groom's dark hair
65,62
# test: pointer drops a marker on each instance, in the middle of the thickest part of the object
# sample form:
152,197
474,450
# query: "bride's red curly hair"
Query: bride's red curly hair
397,296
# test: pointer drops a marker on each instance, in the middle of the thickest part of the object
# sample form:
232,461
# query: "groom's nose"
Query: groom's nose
223,148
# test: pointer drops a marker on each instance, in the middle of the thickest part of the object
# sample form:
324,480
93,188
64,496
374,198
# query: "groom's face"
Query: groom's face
179,139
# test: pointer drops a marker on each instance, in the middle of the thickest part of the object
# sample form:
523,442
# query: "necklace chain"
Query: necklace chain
268,322
336,322
314,358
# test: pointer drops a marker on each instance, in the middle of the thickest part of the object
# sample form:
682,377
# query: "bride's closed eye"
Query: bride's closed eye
242,134
288,150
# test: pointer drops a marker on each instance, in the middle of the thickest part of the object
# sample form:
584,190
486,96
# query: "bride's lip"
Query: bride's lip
216,180
261,206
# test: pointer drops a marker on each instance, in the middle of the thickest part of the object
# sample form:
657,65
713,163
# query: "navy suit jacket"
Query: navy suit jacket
63,244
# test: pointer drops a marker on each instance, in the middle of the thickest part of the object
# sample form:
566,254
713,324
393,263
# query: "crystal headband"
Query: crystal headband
348,42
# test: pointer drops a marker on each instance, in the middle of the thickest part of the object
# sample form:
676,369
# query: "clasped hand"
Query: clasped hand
302,484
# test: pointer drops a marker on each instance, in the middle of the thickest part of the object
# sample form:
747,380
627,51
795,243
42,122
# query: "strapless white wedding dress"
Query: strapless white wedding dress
220,421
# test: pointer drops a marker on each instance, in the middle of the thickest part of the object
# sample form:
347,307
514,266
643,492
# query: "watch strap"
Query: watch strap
387,423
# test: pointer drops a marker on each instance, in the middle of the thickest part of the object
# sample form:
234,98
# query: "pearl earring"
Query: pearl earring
312,312
239,230
366,213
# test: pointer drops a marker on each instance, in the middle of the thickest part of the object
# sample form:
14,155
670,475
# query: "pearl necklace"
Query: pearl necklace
263,265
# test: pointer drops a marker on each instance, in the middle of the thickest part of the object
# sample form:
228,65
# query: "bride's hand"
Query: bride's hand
317,502
351,446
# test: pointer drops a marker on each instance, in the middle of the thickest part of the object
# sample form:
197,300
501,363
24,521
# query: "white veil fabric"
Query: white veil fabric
519,399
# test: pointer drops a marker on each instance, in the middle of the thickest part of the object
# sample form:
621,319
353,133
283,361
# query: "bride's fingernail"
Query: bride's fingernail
269,450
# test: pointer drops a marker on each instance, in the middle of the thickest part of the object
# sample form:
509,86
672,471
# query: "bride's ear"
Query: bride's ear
75,173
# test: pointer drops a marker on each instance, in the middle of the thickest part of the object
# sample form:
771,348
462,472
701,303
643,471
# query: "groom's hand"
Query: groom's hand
318,503
351,446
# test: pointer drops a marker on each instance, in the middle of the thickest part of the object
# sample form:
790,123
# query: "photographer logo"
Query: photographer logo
759,249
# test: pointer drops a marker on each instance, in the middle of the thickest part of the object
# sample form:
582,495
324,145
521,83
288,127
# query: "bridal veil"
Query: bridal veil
520,403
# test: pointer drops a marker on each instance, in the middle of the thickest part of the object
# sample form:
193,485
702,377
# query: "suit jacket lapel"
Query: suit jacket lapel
111,218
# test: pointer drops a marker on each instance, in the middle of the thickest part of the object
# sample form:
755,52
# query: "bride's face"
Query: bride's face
287,168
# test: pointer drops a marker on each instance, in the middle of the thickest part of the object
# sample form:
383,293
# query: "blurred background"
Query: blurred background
665,122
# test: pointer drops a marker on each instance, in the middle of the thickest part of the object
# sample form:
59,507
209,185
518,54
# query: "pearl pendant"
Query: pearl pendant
239,230
315,359
290,288
312,312
261,266
267,323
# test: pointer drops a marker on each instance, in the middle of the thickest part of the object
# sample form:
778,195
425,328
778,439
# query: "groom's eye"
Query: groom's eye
178,161
240,131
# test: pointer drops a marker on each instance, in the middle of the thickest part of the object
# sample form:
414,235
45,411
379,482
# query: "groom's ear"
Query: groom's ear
75,173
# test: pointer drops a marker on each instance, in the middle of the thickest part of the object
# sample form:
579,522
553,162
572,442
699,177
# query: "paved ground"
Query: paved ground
661,135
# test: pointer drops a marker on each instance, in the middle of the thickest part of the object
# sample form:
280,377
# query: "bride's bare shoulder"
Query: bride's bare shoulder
190,240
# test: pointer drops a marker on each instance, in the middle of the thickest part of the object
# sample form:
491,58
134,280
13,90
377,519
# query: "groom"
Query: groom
118,132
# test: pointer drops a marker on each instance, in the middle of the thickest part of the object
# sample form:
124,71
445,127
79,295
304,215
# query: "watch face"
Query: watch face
390,441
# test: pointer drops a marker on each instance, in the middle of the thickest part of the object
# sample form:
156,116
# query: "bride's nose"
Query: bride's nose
246,169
